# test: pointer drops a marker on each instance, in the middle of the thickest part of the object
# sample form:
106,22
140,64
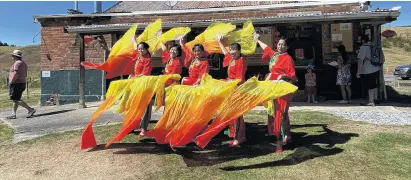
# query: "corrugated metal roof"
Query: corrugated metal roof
369,14
248,5
133,6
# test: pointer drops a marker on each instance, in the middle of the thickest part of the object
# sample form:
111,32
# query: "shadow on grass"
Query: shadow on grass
394,96
52,113
304,146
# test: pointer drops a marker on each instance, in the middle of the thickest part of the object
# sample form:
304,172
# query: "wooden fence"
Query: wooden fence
32,83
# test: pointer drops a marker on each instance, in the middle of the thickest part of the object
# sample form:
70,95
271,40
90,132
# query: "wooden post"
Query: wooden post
103,78
82,74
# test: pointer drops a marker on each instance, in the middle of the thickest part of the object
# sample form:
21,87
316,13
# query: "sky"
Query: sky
21,29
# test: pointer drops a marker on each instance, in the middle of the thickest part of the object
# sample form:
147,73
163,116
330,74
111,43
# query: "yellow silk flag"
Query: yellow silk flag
242,99
150,35
212,31
172,34
138,93
189,109
244,37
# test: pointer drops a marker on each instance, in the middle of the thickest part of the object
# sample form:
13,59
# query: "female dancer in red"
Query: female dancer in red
171,58
142,67
198,65
236,70
281,67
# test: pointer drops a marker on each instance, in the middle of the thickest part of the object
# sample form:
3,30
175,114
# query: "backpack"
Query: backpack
377,56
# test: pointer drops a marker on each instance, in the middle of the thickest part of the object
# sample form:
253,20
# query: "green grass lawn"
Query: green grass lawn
324,147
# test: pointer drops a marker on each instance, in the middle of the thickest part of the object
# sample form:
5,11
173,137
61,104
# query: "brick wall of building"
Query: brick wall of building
61,51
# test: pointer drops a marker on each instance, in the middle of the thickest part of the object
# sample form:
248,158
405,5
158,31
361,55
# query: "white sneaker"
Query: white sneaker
343,102
315,102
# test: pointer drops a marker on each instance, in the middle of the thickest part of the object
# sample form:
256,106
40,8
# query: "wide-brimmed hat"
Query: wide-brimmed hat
17,53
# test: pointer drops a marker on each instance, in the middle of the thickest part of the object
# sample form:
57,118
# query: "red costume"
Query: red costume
197,68
279,64
143,66
236,70
173,66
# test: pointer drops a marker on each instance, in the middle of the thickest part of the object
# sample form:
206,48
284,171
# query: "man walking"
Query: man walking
17,84
368,72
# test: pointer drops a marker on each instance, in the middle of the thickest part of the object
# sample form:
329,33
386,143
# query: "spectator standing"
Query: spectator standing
17,84
367,72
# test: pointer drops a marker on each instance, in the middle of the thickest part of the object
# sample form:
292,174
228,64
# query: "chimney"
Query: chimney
97,7
76,5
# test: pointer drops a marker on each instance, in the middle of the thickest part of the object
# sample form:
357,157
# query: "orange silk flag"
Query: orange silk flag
120,60
189,109
211,33
241,100
122,57
137,93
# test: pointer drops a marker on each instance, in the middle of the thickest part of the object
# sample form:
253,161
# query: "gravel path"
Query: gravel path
376,117
382,115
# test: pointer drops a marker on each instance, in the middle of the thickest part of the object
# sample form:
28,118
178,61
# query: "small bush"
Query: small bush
407,48
386,43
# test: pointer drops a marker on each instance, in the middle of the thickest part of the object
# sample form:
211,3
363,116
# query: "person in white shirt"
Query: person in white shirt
368,72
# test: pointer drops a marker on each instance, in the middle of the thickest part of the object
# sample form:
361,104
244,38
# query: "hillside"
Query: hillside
31,54
397,50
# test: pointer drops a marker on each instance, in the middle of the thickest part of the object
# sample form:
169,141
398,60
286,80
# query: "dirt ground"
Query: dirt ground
43,161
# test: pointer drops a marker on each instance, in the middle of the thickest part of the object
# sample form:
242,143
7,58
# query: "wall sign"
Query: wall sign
342,34
45,73
345,26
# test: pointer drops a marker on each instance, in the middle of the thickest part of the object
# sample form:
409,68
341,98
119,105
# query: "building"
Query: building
313,28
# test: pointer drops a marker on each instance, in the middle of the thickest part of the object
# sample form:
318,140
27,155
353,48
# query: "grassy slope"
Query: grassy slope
324,147
31,56
396,56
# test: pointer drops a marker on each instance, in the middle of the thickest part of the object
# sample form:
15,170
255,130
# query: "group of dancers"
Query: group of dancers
175,56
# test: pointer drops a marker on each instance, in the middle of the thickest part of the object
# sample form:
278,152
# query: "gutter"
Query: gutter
205,10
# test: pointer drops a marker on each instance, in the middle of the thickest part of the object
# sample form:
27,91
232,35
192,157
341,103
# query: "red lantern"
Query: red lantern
388,33
87,39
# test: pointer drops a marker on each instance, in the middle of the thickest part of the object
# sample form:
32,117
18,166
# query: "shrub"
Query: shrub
407,48
386,43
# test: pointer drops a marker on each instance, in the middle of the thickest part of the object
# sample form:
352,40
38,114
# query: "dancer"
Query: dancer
172,61
143,66
236,70
281,68
197,63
